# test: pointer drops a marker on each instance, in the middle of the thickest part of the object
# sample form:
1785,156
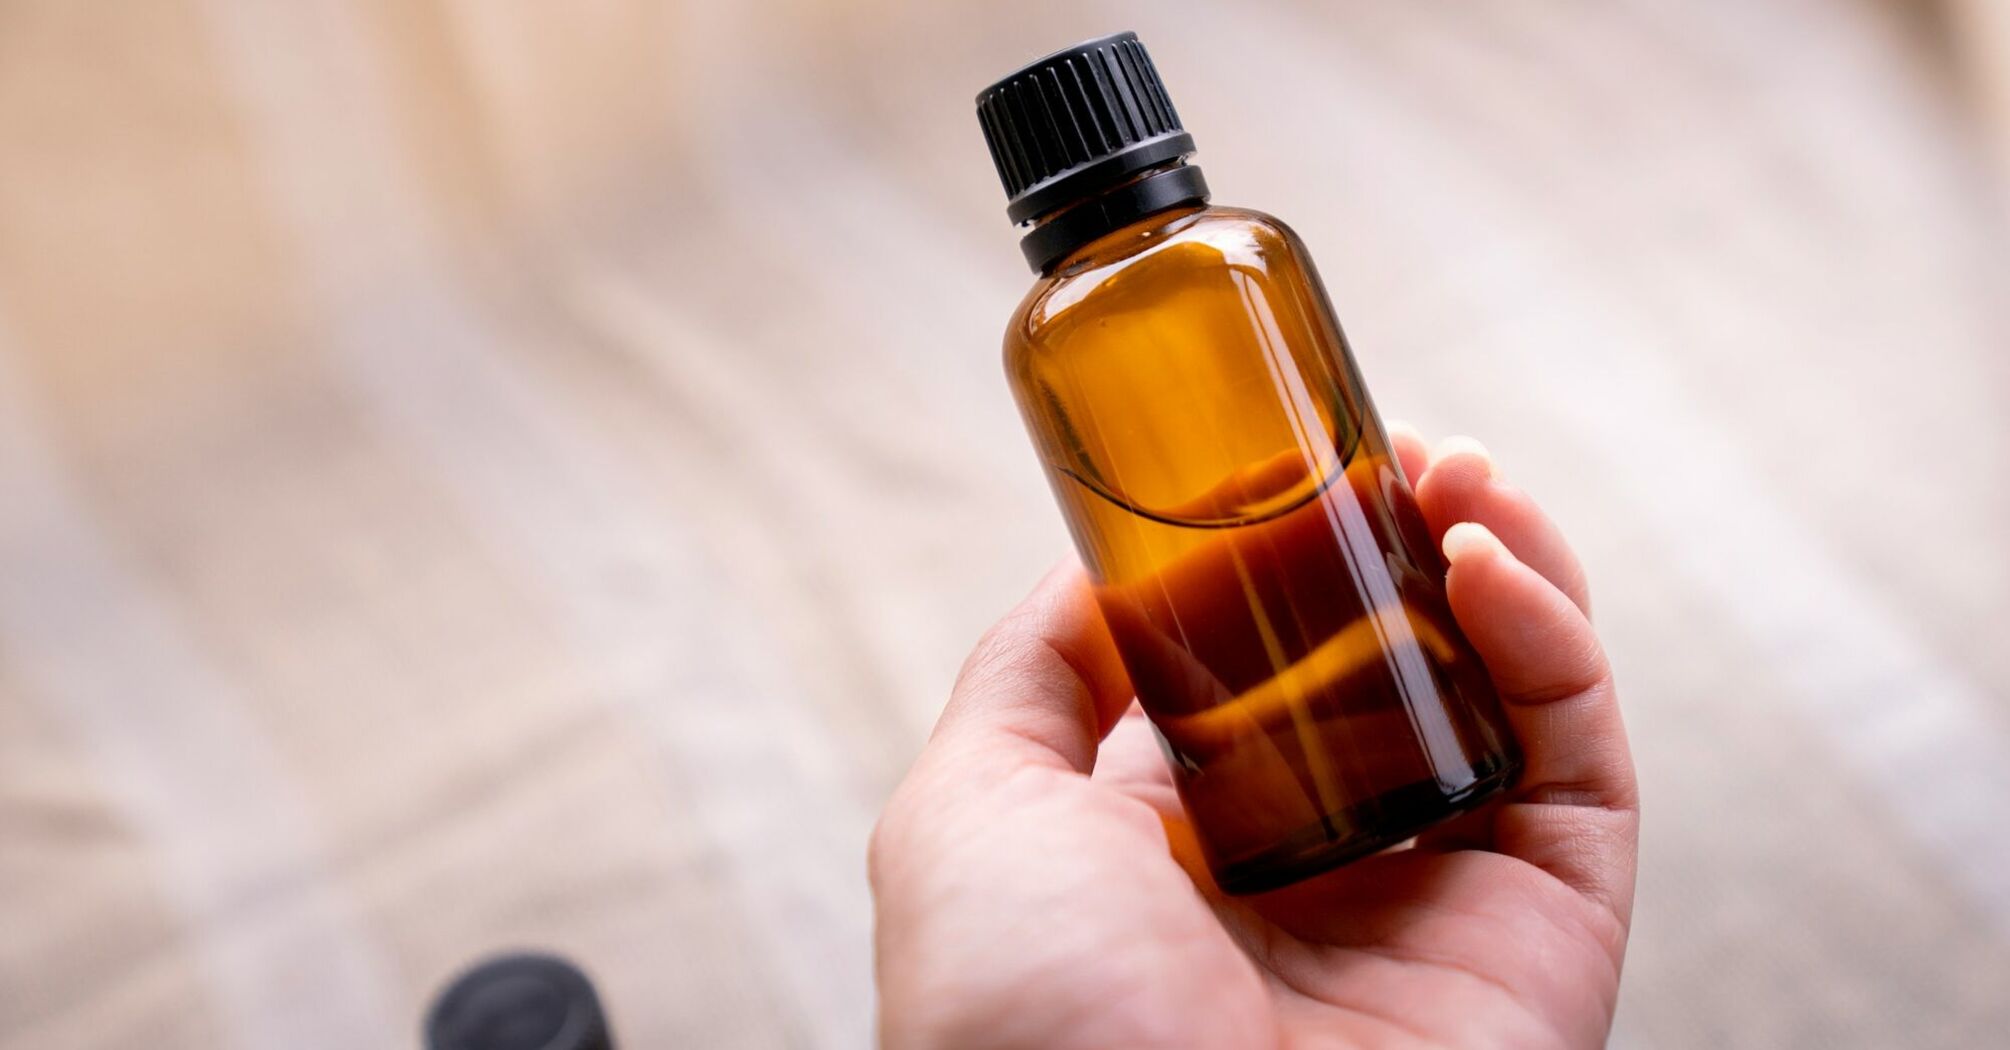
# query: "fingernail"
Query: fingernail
1461,445
1402,428
1470,536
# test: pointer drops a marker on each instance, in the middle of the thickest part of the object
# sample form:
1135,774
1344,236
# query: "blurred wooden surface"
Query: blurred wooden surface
476,475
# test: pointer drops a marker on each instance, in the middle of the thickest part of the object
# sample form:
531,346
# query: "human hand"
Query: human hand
1037,884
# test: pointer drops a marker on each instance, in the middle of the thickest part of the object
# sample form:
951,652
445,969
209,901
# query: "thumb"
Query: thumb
1042,687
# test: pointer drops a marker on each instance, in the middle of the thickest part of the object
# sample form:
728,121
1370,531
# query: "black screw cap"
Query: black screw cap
1078,122
519,1002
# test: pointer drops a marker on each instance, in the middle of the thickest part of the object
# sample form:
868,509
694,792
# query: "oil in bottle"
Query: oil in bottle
1254,545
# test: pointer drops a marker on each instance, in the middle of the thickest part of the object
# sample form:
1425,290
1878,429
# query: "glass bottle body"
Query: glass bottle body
1256,550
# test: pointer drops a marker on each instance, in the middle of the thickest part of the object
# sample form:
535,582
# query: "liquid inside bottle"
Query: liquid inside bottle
1266,574
1256,549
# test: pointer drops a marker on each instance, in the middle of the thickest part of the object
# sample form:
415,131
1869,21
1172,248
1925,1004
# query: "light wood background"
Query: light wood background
477,474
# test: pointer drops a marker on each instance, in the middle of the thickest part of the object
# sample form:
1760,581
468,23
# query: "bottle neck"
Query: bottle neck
1057,234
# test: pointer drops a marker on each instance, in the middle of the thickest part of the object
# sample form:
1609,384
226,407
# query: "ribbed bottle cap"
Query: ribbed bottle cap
1077,122
519,1002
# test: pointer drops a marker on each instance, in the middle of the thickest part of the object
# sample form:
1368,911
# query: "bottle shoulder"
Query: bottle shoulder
1164,252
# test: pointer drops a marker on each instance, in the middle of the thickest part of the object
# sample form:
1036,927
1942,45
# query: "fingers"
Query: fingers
1042,686
1574,812
1411,452
1547,664
1462,484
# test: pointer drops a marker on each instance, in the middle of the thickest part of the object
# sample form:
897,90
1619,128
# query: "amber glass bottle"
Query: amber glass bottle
1255,547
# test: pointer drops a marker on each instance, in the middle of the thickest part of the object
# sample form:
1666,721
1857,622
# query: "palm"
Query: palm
1041,887
1457,948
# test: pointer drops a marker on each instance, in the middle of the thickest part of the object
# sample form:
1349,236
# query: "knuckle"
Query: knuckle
996,648
881,846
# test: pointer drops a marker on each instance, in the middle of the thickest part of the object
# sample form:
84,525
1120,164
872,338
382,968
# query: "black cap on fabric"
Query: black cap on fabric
519,1002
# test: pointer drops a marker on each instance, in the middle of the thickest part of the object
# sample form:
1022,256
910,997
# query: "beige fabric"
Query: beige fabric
477,475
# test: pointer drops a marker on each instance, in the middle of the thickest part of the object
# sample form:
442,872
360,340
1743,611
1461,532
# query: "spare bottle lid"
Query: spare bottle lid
1081,122
519,1002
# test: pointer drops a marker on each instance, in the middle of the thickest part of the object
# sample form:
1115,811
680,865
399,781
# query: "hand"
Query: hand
1037,884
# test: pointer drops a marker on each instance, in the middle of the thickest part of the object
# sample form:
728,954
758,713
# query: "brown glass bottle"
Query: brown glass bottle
1257,552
